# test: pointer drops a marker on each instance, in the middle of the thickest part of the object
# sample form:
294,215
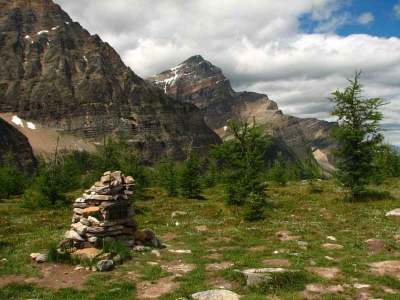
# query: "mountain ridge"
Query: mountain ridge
55,73
199,82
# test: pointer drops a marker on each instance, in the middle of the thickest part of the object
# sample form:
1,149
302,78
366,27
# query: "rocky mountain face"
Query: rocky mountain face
11,140
199,82
53,72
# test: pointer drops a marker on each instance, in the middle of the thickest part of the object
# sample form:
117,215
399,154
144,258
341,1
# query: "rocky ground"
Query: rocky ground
319,247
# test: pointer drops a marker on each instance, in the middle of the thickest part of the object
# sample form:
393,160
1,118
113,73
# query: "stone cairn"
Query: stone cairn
105,213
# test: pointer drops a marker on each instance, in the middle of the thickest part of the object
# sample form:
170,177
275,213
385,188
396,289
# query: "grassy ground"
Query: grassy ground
310,216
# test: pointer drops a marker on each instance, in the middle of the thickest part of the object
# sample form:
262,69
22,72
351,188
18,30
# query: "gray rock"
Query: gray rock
154,242
93,239
73,235
41,258
78,211
156,253
178,213
393,213
181,251
93,221
76,218
113,228
79,228
94,229
139,248
256,276
85,221
216,295
81,205
105,265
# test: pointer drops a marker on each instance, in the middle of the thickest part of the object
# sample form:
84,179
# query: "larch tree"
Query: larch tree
359,135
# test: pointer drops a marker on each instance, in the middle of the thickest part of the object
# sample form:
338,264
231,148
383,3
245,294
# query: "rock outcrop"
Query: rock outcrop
53,72
13,141
199,82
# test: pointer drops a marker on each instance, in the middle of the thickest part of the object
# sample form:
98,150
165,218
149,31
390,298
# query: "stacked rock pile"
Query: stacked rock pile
105,213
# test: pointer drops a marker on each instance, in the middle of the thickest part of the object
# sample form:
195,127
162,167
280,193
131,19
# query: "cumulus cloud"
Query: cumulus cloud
259,45
365,18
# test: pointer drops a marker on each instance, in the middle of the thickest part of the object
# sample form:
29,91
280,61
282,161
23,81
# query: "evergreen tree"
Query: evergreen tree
358,135
167,174
386,164
211,176
190,182
278,171
243,161
12,180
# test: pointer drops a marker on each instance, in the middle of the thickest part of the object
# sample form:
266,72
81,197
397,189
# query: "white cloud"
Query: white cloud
365,18
258,44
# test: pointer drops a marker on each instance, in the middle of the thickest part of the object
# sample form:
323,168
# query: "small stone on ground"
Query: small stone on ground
332,246
216,295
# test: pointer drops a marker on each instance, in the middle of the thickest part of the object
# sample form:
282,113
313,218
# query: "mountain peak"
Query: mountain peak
194,59
55,73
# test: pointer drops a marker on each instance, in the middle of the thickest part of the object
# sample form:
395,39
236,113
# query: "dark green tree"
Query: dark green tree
278,171
211,176
167,175
13,181
358,135
386,164
243,162
190,181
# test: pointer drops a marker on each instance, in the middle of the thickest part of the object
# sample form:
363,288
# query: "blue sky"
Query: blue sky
372,17
295,51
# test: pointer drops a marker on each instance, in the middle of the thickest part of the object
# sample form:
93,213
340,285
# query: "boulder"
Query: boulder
73,235
256,276
105,265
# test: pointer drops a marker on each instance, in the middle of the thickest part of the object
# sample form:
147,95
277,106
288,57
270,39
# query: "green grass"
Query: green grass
311,216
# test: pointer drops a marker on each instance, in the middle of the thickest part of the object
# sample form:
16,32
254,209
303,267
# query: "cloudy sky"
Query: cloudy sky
295,51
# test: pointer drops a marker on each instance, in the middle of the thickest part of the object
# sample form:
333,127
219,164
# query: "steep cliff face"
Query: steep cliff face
13,141
199,82
53,72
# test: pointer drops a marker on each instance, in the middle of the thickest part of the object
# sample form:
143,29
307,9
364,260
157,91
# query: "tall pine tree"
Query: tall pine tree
358,135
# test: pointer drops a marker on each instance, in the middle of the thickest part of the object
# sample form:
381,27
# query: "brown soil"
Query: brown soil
54,276
154,290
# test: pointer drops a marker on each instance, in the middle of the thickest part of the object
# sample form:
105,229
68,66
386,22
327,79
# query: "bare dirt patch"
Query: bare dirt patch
213,256
154,290
222,283
219,266
54,276
218,239
313,291
258,248
326,273
177,268
277,262
168,237
390,267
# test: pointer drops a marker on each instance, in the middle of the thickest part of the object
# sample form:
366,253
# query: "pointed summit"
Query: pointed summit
198,81
194,59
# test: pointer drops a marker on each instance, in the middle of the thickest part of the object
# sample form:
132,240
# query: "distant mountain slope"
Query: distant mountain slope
199,82
13,141
53,72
